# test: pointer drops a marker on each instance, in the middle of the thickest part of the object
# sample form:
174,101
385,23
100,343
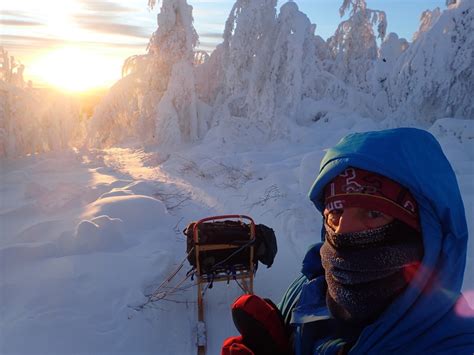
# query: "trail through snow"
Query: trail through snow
86,235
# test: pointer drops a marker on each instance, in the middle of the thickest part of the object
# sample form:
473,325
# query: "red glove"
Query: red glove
235,346
261,325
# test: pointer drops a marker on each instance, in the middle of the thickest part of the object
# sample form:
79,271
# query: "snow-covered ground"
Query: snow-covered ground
86,234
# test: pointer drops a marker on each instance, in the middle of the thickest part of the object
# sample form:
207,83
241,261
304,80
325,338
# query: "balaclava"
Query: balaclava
366,270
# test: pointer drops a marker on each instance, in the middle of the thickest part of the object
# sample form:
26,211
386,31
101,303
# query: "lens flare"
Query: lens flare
465,305
409,271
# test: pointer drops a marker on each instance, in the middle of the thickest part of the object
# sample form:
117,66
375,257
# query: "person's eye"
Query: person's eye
375,214
334,215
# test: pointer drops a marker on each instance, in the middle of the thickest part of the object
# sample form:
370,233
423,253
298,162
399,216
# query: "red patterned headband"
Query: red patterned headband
360,188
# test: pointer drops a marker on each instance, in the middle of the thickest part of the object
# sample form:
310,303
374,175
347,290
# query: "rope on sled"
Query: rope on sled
246,245
161,292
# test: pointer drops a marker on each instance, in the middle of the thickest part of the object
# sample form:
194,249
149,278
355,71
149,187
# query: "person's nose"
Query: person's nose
350,221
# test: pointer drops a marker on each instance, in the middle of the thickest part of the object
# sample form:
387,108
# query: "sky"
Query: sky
81,44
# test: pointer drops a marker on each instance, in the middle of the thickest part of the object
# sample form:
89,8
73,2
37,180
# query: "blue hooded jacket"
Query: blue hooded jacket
426,318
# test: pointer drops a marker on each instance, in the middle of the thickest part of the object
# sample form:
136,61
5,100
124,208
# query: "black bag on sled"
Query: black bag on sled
230,232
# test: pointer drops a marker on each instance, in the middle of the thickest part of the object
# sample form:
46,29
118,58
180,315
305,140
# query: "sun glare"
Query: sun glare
75,69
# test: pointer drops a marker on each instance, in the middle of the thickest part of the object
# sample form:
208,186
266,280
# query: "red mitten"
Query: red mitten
235,346
261,325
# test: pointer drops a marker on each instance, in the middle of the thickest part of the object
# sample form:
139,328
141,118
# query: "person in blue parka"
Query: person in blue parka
387,276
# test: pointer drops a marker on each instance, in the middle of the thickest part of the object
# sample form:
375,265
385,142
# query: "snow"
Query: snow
437,67
92,212
87,234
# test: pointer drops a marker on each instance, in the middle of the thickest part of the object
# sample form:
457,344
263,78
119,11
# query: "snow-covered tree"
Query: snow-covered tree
427,19
156,102
10,70
451,2
389,53
271,72
283,68
117,117
172,46
354,45
434,77
34,120
210,76
247,30
175,38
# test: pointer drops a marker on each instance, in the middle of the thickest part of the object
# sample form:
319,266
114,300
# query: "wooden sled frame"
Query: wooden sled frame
245,274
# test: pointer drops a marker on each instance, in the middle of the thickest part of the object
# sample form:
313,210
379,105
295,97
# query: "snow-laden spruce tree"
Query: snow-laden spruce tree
434,77
156,101
172,46
390,51
272,72
247,30
282,71
354,46
247,33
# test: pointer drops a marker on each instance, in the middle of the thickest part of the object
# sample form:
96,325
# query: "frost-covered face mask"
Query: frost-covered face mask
365,271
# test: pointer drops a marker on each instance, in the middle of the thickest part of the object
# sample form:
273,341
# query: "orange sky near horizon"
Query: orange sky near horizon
79,45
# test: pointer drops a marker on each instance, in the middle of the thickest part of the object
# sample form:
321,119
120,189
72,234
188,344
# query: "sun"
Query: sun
75,69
